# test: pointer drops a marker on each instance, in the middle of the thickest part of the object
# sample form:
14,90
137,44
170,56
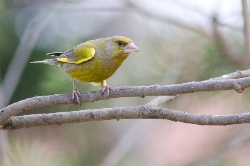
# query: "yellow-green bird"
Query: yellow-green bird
93,61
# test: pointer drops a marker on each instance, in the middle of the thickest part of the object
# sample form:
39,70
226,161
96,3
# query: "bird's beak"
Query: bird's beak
130,48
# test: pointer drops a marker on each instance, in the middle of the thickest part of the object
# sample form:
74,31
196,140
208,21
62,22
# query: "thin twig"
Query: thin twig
235,75
157,102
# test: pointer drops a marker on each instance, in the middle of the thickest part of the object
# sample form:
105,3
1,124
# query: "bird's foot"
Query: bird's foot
105,88
76,96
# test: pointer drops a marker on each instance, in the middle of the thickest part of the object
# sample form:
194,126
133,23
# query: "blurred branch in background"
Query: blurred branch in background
4,148
27,43
15,69
170,20
234,142
246,30
226,50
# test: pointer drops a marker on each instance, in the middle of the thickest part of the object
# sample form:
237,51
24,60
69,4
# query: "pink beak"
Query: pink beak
130,48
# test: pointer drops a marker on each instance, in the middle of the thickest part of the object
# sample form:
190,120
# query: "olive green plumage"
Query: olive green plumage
93,61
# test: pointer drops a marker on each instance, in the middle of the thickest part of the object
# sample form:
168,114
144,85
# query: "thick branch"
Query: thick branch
139,112
140,91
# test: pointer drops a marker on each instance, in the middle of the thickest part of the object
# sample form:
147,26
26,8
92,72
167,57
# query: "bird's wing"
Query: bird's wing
77,55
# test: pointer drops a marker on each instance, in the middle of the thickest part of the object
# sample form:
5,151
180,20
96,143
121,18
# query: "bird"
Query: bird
93,61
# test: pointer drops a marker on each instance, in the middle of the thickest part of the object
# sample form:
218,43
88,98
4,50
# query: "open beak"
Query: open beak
130,48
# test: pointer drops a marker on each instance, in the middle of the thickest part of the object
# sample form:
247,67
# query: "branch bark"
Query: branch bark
140,91
139,112
147,111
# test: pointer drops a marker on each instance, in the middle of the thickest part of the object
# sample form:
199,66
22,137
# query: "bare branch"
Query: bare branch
235,75
159,101
140,91
139,112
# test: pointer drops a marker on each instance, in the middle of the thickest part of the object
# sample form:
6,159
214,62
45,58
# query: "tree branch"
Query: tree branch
235,75
139,91
157,102
139,112
219,83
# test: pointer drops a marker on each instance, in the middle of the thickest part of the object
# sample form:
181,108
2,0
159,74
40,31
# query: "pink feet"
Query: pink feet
105,88
76,96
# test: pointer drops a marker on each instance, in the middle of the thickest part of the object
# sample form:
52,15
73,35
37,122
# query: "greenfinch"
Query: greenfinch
93,61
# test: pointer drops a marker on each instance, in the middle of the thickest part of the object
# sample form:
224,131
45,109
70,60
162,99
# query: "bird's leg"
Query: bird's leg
105,87
75,94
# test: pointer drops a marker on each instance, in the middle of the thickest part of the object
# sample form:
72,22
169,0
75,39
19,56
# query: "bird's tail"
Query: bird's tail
47,61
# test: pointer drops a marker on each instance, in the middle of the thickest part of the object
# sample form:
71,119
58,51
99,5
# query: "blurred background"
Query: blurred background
179,41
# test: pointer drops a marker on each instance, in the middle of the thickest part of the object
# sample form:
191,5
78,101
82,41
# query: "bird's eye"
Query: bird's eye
121,43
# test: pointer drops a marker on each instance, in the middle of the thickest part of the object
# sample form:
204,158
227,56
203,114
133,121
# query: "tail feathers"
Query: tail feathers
55,53
47,61
39,62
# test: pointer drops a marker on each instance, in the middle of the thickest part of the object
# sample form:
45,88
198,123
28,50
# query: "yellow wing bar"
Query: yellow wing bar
80,54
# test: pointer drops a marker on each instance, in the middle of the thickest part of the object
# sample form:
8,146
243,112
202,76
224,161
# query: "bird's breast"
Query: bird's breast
95,70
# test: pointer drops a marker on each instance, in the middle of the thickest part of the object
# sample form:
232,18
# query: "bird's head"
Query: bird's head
120,46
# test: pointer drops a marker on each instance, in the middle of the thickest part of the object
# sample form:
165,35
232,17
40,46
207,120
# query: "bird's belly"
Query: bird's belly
89,72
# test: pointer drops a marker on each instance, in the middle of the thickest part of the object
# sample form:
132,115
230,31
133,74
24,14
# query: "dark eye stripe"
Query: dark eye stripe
121,43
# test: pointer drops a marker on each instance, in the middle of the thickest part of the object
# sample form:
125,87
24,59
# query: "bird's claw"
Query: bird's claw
105,88
76,96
